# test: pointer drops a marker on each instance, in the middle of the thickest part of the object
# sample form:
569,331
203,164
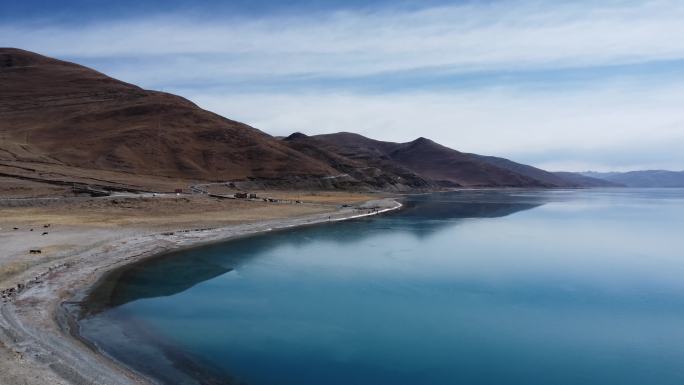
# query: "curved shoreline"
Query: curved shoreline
37,327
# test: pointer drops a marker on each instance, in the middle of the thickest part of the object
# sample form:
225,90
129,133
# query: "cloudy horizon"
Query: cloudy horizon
571,87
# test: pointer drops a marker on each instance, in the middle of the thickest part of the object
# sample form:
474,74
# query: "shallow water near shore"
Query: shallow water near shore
471,287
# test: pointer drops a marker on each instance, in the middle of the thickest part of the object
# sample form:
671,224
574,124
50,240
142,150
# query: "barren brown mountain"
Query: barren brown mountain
421,161
58,112
359,158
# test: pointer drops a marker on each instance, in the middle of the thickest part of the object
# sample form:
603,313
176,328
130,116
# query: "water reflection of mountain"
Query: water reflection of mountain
422,216
461,210
157,277
426,219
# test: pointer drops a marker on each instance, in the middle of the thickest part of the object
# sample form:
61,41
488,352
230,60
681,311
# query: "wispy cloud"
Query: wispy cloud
505,35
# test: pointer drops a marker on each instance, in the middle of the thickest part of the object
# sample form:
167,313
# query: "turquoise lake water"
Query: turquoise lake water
477,287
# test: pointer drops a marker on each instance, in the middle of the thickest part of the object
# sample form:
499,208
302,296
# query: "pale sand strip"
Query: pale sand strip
37,346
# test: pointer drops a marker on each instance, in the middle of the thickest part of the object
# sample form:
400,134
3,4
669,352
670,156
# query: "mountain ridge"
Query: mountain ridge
61,114
641,178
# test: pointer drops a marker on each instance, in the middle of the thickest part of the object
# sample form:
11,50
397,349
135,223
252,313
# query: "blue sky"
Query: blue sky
566,86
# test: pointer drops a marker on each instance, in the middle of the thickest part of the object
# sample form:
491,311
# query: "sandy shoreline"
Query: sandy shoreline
36,331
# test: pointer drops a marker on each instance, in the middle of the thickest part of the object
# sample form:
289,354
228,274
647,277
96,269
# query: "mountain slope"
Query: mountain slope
448,166
356,157
53,111
646,178
546,177
582,180
421,159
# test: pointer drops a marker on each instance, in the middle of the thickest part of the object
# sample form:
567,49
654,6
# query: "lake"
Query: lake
472,287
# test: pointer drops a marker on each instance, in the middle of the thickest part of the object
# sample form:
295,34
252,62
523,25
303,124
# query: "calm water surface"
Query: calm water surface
488,287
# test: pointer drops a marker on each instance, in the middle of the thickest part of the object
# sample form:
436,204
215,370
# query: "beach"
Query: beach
87,238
